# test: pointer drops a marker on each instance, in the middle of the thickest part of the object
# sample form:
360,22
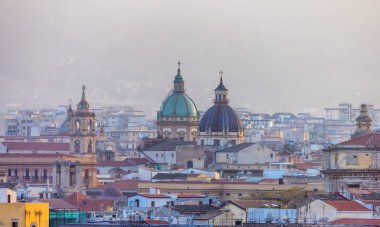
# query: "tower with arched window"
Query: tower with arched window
82,132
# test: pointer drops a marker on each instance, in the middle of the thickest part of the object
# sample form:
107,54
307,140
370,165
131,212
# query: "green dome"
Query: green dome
178,105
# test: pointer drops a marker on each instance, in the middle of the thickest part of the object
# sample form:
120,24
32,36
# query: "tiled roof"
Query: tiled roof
245,204
36,146
168,145
154,196
96,204
123,185
303,165
156,222
34,155
356,221
370,140
346,205
208,215
75,198
113,164
138,161
193,209
58,204
170,176
236,148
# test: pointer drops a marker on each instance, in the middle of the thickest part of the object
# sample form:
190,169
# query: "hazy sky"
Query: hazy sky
277,55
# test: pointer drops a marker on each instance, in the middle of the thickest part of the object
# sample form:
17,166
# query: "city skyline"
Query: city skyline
126,53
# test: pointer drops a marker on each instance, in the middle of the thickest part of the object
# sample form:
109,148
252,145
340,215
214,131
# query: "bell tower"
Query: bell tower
82,130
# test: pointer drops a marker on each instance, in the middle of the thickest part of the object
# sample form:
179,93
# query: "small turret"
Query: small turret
179,83
363,122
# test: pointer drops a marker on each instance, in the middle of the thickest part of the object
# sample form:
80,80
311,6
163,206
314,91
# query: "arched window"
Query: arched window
77,126
89,126
77,146
89,147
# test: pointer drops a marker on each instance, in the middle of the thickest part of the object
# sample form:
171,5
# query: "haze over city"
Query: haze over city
297,56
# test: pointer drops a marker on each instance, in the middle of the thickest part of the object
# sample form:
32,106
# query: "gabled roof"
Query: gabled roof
346,205
36,146
58,204
356,222
168,145
193,209
236,148
208,215
123,185
156,222
113,164
75,198
138,161
95,204
369,140
170,176
245,204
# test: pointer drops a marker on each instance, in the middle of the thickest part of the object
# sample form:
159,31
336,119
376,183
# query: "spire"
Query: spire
83,104
179,83
70,111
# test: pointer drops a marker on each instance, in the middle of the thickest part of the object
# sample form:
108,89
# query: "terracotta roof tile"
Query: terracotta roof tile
36,146
356,221
123,185
346,205
371,140
189,195
75,198
58,204
156,222
96,204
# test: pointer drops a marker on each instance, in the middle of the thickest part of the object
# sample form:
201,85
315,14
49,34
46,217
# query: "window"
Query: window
9,198
9,172
240,194
45,174
216,142
271,155
200,203
27,174
152,203
14,223
162,155
89,147
172,155
156,155
351,159
16,172
228,194
77,146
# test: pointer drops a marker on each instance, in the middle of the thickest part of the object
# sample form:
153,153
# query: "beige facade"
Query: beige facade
320,211
224,189
249,154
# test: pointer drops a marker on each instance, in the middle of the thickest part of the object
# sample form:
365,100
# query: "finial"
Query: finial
83,93
179,65
221,76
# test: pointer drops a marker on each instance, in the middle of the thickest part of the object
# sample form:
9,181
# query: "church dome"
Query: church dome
178,105
220,118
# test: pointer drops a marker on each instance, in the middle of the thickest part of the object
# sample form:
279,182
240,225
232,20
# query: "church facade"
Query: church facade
356,162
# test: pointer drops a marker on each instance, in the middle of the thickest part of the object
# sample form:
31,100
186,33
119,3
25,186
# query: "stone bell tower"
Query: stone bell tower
82,130
363,122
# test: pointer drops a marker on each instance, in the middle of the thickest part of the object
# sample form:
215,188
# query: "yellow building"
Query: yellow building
24,214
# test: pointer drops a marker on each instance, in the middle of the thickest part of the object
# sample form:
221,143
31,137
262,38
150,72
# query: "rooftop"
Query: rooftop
346,205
